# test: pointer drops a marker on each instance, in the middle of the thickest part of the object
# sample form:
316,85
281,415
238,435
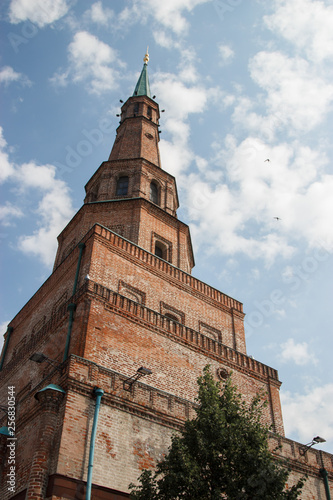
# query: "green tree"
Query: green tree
221,454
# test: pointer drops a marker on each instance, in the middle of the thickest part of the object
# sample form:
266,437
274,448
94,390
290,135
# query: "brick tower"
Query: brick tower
102,362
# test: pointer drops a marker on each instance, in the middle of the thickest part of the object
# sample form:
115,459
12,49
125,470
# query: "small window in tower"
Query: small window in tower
172,313
154,194
122,186
149,112
172,317
159,250
136,108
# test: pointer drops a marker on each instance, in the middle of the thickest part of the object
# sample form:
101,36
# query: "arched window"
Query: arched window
154,194
122,186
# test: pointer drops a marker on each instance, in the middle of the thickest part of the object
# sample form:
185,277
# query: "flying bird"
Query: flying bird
277,218
267,160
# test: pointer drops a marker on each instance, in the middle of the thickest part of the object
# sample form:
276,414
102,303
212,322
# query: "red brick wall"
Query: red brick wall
136,220
134,430
123,296
102,185
114,334
131,140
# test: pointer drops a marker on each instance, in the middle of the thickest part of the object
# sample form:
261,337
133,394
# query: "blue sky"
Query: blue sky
241,82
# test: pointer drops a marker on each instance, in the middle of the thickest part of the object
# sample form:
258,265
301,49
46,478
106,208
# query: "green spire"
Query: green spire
142,87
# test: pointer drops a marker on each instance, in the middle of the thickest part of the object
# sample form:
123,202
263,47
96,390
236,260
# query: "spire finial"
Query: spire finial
146,58
142,87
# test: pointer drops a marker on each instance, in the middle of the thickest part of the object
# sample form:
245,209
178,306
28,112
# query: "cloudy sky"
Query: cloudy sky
247,89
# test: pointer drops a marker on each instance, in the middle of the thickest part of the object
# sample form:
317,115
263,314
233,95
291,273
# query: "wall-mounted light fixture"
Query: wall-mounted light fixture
141,372
39,357
315,440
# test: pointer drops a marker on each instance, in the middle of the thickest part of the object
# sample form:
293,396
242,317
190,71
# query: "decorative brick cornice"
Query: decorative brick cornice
169,271
181,333
284,449
75,488
35,339
288,452
116,396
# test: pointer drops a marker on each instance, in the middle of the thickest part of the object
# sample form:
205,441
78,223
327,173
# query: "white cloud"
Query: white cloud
51,195
243,191
176,157
295,93
9,75
226,54
99,15
35,176
181,100
305,23
297,353
294,98
7,169
39,12
168,14
163,39
3,329
60,79
248,193
307,415
9,211
54,210
245,117
90,61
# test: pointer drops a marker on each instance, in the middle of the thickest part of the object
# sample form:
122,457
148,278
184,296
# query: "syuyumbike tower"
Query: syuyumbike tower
124,330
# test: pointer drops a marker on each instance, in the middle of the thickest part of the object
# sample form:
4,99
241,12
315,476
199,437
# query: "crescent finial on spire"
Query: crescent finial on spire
146,58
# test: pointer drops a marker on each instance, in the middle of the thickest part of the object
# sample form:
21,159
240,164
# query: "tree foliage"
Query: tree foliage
221,454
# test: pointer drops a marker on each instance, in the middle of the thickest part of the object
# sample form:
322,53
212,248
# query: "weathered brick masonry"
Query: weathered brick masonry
122,293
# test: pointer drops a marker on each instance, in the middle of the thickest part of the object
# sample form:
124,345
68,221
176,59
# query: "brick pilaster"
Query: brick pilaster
50,401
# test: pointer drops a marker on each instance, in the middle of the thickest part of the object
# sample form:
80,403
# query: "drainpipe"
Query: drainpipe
71,307
324,474
98,393
9,332
81,247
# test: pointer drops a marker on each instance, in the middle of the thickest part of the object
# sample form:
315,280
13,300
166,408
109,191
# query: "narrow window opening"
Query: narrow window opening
159,251
149,112
154,194
122,186
136,108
